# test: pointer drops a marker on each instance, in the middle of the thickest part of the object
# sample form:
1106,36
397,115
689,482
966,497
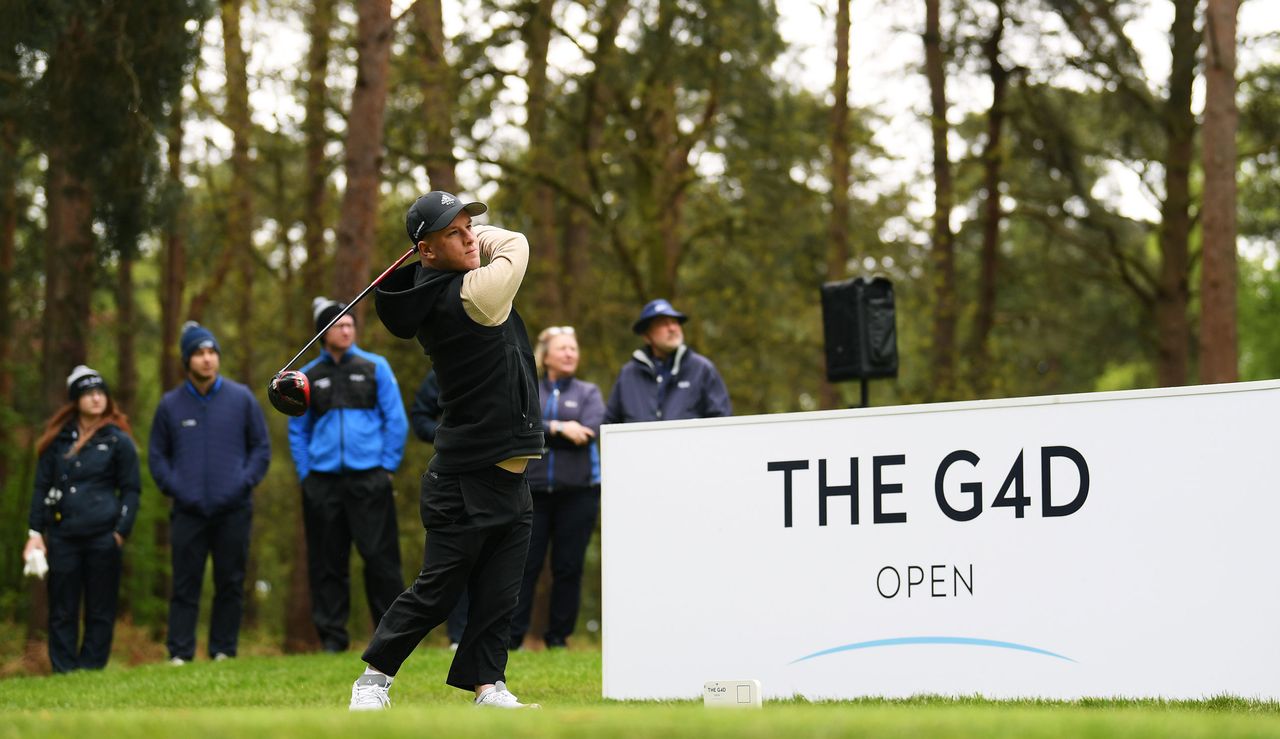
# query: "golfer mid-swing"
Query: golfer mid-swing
475,502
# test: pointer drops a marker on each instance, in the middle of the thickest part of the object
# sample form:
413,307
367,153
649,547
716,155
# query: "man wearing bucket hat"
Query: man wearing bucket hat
475,502
665,380
209,449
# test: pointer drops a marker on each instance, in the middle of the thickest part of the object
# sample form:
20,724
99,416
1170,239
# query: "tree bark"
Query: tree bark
541,204
363,158
1173,295
125,390
578,230
437,98
8,249
992,159
299,631
838,223
943,246
69,275
1218,339
315,134
240,208
173,260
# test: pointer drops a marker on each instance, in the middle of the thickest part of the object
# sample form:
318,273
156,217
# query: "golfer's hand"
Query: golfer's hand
35,542
575,432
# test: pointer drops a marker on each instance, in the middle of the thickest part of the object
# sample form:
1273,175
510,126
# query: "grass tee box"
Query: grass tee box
1106,544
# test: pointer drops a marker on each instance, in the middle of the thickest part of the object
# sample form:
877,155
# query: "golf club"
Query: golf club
290,391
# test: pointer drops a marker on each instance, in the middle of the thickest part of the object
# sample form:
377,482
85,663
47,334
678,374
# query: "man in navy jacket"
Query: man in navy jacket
209,448
345,448
666,380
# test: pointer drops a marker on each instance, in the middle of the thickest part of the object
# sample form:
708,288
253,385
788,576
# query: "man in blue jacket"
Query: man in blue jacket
666,380
209,449
345,448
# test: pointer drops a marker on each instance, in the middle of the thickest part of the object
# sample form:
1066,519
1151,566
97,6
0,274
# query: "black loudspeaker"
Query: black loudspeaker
859,329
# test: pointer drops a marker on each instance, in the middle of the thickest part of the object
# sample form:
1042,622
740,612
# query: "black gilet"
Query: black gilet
488,386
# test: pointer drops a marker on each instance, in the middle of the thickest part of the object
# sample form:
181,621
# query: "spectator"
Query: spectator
666,380
83,507
566,491
346,448
209,449
424,418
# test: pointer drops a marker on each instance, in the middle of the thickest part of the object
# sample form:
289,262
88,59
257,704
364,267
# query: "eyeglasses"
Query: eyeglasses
558,330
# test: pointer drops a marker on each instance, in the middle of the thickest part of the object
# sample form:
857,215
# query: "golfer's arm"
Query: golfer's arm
487,292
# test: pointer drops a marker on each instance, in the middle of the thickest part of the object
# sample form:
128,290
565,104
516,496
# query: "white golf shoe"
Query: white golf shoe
369,693
499,697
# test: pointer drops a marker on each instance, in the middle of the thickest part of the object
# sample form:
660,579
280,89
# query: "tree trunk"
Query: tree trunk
299,632
316,177
1218,342
363,159
8,248
125,390
578,230
69,275
173,261
1173,296
838,223
541,204
992,158
437,98
943,246
240,208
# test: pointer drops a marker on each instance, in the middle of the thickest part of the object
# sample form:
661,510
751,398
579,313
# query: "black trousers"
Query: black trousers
224,537
477,536
338,510
82,570
564,520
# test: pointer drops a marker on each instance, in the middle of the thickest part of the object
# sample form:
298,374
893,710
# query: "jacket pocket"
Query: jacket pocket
521,392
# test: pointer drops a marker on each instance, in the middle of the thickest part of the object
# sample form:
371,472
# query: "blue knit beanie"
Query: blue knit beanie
195,336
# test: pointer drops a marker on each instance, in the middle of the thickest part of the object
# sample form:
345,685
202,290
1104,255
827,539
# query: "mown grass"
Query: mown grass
306,696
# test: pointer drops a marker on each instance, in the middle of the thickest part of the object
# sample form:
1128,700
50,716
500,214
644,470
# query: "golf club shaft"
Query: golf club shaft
350,305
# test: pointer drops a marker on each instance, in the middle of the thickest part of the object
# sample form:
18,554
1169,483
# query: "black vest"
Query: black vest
488,387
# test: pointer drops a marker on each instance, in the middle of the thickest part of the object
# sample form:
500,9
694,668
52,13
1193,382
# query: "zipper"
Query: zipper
553,408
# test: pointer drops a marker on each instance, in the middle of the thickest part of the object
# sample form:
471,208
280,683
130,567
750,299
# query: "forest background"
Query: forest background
648,148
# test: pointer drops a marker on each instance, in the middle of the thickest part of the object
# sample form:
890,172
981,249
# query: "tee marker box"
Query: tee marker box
731,694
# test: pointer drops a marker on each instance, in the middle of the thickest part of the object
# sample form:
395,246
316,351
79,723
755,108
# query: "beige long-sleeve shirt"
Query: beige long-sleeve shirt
487,292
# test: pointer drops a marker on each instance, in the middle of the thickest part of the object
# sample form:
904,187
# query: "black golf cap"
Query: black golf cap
434,211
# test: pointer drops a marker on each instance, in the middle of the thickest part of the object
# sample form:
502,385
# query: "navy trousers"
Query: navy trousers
224,537
82,571
564,520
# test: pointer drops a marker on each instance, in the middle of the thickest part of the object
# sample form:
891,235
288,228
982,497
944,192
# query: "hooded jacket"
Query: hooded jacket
689,386
488,394
94,492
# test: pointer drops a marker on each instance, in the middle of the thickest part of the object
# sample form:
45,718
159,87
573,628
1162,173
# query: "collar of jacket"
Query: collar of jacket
352,351
213,389
643,357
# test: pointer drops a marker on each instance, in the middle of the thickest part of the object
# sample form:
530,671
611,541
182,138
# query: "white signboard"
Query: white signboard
1109,544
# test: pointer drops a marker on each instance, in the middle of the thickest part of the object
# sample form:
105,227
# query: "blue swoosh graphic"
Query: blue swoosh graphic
908,640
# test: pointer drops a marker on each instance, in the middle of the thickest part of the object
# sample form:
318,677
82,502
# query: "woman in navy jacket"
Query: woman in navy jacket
565,485
82,509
